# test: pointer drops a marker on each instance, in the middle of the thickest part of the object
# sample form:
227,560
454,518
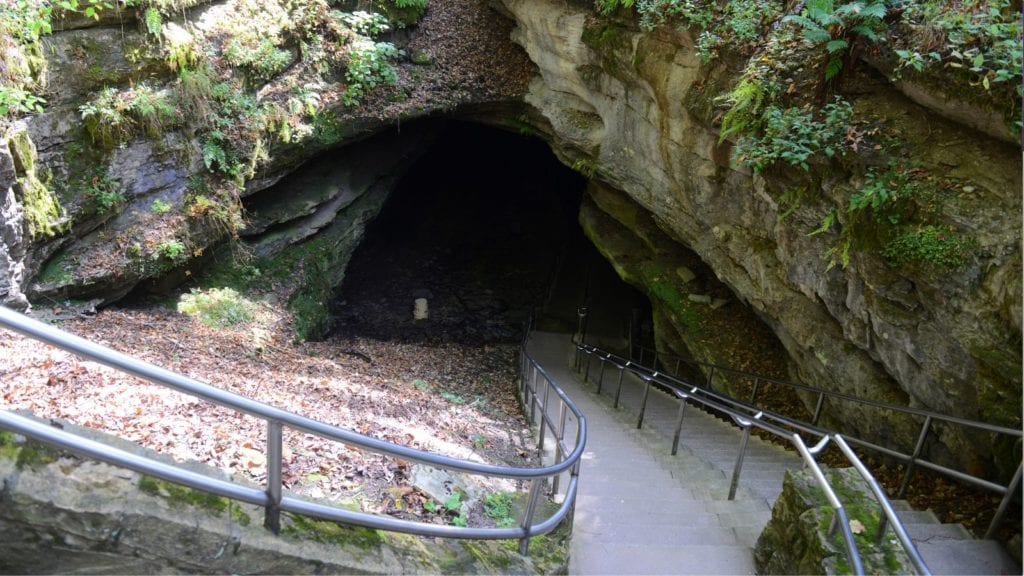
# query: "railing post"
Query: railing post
753,394
543,416
734,484
643,403
582,326
533,397
679,424
600,374
531,504
711,378
913,459
272,515
818,407
676,373
522,375
618,389
1011,490
559,437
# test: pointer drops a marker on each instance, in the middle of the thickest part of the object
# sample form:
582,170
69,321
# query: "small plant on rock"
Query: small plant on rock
169,249
217,307
838,29
160,207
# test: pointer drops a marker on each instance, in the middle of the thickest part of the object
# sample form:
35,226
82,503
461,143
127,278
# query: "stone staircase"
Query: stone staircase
950,548
643,511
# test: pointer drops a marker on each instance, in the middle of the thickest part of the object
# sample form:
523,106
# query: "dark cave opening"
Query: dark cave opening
484,227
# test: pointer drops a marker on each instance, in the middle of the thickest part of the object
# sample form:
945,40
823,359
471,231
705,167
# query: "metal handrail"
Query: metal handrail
848,397
272,498
747,417
888,512
911,460
839,518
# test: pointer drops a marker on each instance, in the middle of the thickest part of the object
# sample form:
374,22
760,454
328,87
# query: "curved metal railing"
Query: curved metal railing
911,460
271,498
748,416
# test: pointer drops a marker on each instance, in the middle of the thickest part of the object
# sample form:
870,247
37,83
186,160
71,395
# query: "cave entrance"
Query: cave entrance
484,227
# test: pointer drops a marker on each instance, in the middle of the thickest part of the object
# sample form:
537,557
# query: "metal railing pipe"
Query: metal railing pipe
643,403
531,506
738,468
889,516
679,422
81,347
1011,491
272,515
600,374
921,439
618,388
58,438
853,555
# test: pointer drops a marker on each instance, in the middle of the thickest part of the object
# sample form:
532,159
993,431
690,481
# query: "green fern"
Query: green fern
745,104
153,20
836,28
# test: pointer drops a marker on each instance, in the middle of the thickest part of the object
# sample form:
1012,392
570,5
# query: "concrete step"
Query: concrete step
926,532
944,556
698,559
910,517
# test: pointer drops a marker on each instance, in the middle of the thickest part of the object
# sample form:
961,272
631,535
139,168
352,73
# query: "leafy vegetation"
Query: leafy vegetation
369,66
499,506
217,307
114,116
160,207
796,135
835,30
897,212
103,191
983,38
169,249
787,110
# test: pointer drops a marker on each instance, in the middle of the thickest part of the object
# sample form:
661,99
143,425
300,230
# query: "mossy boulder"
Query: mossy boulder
798,539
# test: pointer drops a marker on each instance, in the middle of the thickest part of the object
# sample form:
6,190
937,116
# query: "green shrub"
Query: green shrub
160,207
795,135
932,247
836,27
104,192
169,249
15,101
217,307
114,116
368,66
261,58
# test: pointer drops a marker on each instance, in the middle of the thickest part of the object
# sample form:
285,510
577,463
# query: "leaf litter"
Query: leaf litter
448,398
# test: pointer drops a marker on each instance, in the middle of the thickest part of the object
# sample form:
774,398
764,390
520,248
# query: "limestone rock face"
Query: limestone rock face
12,232
148,205
635,109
